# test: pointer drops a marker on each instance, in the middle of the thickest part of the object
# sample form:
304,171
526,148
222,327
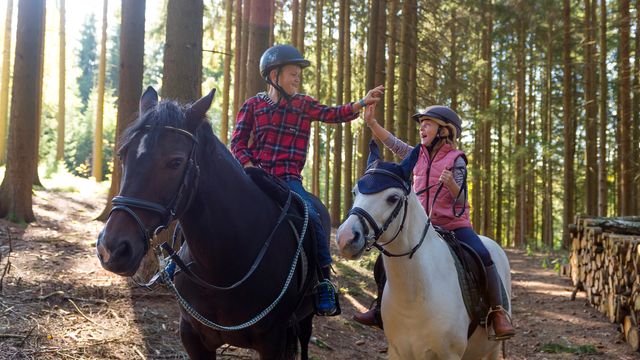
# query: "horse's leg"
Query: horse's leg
306,326
192,343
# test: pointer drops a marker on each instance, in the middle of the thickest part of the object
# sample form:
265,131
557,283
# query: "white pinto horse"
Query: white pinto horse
423,311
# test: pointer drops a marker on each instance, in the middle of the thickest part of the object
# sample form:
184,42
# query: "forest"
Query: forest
549,92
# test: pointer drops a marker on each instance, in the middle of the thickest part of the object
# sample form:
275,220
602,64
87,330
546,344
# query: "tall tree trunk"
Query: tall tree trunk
4,82
626,201
129,84
182,75
636,114
62,72
391,73
547,180
226,80
348,136
299,41
520,136
453,62
591,174
487,226
403,79
96,169
412,87
295,23
36,176
246,13
370,75
569,127
337,138
315,183
15,192
258,43
500,168
602,125
379,77
237,54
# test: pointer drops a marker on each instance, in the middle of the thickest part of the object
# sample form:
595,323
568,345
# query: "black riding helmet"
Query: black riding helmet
278,56
442,113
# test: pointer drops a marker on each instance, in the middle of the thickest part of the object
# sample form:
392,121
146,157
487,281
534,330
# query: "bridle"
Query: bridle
181,200
368,221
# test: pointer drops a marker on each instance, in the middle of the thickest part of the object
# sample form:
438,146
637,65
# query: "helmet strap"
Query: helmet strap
276,85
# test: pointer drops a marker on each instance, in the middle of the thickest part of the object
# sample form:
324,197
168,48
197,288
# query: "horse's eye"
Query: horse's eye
392,199
174,164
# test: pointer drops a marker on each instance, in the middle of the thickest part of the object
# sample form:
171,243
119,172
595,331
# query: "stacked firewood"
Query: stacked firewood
604,262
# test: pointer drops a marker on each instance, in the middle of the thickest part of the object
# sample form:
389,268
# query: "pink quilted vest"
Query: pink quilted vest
427,173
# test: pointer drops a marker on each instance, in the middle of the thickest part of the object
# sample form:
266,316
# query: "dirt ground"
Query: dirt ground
56,302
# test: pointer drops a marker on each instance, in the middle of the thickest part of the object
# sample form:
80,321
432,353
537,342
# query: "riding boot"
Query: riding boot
373,316
327,297
497,316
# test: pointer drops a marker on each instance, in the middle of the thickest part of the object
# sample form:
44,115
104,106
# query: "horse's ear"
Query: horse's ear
198,110
374,152
409,162
148,100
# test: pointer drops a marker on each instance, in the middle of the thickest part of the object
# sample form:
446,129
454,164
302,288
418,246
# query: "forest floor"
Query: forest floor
56,302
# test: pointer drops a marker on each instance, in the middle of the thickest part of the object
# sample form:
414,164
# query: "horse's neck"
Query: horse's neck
429,267
230,214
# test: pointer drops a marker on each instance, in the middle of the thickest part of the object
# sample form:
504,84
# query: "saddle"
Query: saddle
279,192
472,279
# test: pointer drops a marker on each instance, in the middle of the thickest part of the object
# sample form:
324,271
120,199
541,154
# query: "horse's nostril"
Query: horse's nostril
356,236
122,251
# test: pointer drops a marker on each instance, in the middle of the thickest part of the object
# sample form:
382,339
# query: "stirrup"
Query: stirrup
491,334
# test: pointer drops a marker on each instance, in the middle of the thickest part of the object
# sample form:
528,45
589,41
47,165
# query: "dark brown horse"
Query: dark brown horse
244,281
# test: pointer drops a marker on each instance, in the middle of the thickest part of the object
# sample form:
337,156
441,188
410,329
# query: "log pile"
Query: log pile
604,262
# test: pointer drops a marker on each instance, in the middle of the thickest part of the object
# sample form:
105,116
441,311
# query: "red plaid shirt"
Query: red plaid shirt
280,132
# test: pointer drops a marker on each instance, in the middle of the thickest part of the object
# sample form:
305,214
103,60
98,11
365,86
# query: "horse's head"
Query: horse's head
159,177
380,203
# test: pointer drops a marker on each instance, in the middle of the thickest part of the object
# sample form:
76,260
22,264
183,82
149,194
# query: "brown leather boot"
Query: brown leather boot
369,318
498,316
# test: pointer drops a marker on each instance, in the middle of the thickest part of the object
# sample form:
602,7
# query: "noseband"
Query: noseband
368,221
167,213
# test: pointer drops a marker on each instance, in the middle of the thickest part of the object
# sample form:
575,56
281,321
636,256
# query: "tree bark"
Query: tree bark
403,79
389,123
4,95
520,136
182,75
258,43
370,76
626,201
129,84
590,113
348,135
337,138
226,80
569,127
237,54
602,125
15,192
315,177
62,71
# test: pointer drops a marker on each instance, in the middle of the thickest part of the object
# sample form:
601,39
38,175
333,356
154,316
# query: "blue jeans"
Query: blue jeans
322,243
469,237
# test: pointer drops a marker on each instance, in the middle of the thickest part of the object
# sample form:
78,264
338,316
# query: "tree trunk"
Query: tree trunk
453,63
237,54
4,95
547,180
130,83
626,201
15,192
391,73
258,43
224,121
487,226
403,79
301,23
348,136
36,177
315,177
295,23
569,127
379,78
182,75
602,125
520,136
636,114
61,84
370,76
96,169
412,87
337,138
591,134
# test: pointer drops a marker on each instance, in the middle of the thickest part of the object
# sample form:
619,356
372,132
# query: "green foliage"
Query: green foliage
87,60
554,348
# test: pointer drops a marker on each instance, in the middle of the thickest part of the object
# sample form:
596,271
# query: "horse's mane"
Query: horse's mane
171,113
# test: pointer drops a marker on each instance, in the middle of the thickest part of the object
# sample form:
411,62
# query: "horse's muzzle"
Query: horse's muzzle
350,239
